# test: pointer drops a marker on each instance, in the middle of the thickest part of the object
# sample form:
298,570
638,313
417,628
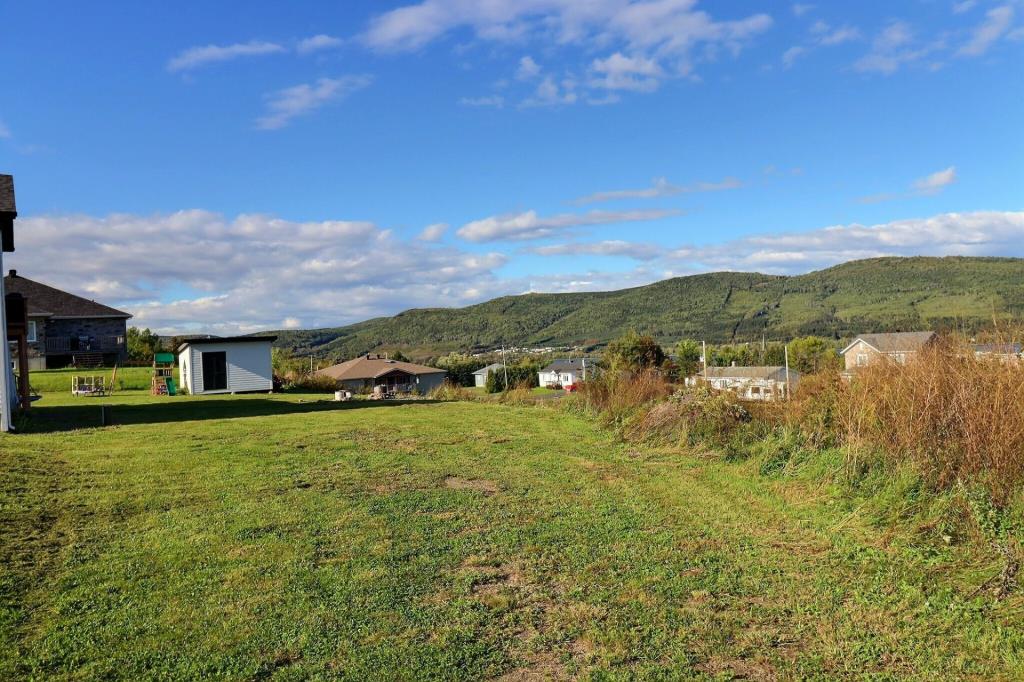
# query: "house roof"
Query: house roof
371,367
224,339
767,372
7,194
567,365
897,342
997,348
46,301
493,367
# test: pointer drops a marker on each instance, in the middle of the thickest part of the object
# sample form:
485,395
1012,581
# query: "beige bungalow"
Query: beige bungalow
870,349
378,373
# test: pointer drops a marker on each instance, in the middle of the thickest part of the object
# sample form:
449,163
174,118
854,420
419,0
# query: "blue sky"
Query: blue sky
308,164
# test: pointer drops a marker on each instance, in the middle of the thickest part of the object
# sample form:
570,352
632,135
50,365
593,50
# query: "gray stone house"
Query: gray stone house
65,329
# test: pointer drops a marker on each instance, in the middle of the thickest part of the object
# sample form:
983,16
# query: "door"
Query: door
215,371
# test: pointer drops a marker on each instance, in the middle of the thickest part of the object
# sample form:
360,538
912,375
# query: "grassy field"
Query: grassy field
288,537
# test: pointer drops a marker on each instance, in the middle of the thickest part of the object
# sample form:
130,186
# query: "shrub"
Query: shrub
314,383
692,416
450,391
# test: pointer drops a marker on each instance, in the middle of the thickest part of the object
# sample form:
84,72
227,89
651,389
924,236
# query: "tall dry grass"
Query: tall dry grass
956,417
616,396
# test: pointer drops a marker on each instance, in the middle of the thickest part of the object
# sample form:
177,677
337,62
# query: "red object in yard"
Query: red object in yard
571,388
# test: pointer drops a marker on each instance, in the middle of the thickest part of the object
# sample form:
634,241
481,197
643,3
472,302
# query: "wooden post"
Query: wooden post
23,388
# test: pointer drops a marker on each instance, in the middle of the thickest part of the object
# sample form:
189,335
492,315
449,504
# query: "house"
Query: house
1004,352
367,372
235,364
750,383
67,329
480,376
870,349
567,372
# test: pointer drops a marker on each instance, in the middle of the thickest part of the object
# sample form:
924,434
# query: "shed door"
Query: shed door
215,371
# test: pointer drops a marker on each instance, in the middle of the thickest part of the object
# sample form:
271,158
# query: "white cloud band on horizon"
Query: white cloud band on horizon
256,272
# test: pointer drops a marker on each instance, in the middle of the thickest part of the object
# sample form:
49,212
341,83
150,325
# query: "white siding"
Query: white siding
249,366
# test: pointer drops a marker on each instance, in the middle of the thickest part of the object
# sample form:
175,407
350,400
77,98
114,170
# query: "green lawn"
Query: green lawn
290,537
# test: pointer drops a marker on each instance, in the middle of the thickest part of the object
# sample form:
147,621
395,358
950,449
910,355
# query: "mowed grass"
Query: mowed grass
286,537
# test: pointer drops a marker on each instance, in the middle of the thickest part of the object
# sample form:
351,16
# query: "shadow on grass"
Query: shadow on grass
53,419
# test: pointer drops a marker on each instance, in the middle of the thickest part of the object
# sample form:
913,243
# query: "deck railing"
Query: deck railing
93,344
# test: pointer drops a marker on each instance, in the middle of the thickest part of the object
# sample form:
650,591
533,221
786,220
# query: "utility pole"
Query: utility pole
704,358
504,365
789,388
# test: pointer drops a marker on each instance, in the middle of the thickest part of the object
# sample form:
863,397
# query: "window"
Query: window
31,335
862,359
900,358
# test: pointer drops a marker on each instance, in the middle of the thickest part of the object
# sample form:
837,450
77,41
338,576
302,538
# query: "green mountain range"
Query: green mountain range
879,294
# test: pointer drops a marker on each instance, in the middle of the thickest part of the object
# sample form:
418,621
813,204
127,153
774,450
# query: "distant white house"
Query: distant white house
567,372
226,365
480,376
749,383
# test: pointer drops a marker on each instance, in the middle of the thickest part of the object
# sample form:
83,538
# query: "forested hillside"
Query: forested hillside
882,294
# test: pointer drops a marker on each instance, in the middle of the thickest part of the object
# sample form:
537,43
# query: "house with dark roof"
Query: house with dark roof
750,383
66,329
380,374
898,347
567,372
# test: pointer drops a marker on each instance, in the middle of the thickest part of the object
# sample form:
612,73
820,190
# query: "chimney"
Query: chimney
13,273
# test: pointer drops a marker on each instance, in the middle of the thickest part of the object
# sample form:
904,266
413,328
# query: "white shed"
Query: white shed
226,365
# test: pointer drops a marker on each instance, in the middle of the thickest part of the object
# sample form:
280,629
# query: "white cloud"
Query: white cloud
250,272
318,42
926,186
790,56
937,181
619,72
843,34
496,101
527,69
284,105
965,6
432,233
980,233
997,22
612,247
801,9
550,94
198,56
291,323
670,34
893,47
528,225
660,188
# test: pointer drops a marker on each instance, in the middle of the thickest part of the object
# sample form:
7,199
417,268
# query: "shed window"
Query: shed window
31,332
862,359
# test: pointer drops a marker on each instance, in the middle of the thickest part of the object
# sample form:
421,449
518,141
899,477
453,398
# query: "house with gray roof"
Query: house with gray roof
480,376
898,347
567,372
750,383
